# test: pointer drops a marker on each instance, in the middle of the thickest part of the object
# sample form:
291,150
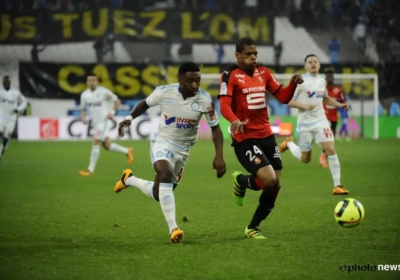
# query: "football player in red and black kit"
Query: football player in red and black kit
335,92
243,90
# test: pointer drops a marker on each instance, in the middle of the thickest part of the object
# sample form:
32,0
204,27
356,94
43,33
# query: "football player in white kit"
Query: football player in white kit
12,103
182,107
312,123
99,101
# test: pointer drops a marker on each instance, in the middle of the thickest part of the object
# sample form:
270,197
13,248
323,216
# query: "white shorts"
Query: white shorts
177,156
7,127
102,130
320,131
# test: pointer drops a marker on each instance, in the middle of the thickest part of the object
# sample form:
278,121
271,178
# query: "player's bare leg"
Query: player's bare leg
334,166
161,190
114,147
94,156
288,144
322,159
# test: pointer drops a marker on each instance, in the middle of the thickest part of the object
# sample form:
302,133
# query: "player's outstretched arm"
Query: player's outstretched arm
218,139
285,94
139,109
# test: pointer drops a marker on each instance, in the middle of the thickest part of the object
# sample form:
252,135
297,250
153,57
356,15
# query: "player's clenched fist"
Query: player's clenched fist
297,79
219,166
124,123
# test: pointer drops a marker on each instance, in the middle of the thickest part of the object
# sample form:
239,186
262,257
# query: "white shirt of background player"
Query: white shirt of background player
312,123
100,103
11,100
311,93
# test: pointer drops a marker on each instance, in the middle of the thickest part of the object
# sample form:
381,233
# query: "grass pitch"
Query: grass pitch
55,224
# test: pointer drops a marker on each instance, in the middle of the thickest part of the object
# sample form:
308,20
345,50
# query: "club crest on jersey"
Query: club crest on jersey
195,106
316,93
180,122
260,79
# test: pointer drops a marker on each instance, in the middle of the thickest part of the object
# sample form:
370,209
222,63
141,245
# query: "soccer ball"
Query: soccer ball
349,213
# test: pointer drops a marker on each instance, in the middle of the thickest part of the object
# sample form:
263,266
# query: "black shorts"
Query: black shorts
254,154
333,127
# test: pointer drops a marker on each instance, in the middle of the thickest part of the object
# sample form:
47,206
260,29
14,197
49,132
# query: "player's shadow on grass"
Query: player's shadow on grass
201,241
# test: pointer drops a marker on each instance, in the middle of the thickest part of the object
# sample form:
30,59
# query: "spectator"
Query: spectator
220,52
185,52
395,108
334,50
360,32
99,46
278,53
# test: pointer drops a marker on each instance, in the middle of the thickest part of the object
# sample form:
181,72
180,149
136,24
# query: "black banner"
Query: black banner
147,26
128,81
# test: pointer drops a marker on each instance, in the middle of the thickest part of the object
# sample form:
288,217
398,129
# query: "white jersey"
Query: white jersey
11,100
312,91
99,102
180,118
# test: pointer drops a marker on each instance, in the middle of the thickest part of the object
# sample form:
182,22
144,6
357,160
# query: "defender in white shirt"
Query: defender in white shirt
102,104
182,107
312,122
12,103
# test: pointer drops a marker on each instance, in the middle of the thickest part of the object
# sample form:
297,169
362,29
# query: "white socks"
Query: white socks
334,166
145,186
165,195
294,149
167,202
118,148
94,156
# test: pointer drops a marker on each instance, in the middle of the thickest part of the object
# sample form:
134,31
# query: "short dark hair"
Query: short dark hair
310,55
188,67
330,71
6,77
243,42
92,75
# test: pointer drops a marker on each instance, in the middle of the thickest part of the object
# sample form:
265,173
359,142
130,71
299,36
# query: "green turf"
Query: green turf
57,225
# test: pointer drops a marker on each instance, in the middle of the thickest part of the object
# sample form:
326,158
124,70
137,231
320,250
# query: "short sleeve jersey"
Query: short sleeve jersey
99,102
311,91
11,100
248,92
180,117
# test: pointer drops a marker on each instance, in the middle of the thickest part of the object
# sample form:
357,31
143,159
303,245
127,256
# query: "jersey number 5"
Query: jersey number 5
256,101
250,154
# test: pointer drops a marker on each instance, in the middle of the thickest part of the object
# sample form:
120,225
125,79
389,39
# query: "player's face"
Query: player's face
248,57
6,83
312,65
92,82
190,82
329,79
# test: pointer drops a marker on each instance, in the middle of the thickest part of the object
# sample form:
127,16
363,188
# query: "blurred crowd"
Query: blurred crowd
229,6
378,20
